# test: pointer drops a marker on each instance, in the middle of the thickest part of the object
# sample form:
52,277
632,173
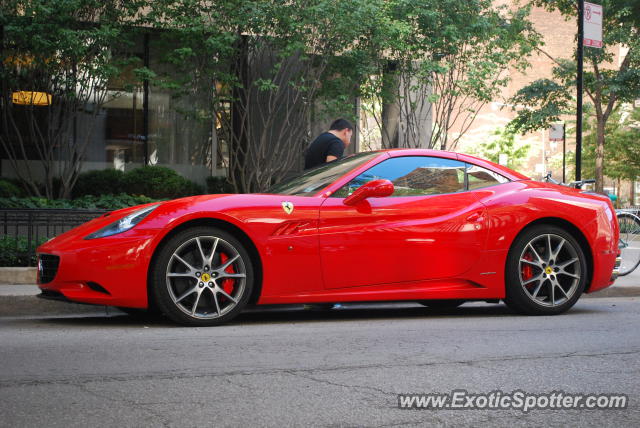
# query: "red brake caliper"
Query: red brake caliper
227,284
527,270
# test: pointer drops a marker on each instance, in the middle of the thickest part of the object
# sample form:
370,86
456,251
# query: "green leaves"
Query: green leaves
538,105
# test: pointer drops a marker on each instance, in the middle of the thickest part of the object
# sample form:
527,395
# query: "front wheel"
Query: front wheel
546,271
202,277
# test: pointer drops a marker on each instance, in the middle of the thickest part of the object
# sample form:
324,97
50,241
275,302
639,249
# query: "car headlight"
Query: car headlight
124,224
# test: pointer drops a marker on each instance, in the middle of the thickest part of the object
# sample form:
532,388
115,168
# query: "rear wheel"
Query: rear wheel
202,276
546,271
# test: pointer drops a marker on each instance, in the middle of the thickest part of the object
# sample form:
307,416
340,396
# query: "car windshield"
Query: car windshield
313,180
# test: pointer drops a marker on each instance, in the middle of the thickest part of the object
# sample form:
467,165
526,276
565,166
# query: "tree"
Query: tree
622,151
63,50
269,67
606,84
504,143
444,60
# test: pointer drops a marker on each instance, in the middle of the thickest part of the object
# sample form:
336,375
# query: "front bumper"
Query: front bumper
106,271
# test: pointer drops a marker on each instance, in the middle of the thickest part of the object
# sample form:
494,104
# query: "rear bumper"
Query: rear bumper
616,269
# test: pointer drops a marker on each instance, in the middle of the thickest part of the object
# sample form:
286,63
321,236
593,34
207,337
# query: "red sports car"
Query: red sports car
434,227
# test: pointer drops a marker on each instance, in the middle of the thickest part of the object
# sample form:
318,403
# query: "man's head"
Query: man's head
342,129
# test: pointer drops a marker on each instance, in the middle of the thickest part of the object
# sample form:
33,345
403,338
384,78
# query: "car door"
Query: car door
429,228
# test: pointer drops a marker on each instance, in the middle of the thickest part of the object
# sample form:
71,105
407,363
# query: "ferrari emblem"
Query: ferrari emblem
287,207
206,277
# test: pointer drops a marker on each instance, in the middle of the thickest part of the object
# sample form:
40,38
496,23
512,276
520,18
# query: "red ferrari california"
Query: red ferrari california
434,227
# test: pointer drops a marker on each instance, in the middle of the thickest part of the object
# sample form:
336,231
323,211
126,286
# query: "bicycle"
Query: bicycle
629,243
629,223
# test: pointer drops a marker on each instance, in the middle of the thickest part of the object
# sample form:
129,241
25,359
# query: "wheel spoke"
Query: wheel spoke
553,293
572,275
215,299
562,289
191,268
228,262
554,254
232,275
537,290
213,251
535,278
187,293
178,274
227,295
204,258
563,266
535,253
195,304
531,262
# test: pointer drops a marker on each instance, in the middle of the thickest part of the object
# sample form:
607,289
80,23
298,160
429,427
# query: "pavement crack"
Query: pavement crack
366,388
181,374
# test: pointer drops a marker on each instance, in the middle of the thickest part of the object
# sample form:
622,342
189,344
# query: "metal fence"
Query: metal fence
25,229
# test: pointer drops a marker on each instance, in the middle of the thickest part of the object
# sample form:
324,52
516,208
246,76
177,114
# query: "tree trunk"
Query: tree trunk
390,108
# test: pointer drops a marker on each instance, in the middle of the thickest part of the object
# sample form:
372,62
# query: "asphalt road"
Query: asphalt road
289,367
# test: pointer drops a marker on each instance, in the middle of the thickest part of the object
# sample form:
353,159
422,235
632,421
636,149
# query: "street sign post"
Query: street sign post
590,35
557,133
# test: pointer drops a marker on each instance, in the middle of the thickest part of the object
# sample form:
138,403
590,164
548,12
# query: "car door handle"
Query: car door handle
474,217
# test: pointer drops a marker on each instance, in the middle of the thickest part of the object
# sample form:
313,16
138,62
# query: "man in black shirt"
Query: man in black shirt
330,145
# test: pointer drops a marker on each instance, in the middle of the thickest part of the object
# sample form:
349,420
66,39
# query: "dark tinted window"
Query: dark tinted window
314,180
413,176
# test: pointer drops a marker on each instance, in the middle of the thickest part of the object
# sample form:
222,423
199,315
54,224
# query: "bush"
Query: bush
219,185
159,182
9,189
108,202
99,182
14,251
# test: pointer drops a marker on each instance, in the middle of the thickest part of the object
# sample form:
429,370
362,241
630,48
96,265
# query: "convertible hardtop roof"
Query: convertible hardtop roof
502,170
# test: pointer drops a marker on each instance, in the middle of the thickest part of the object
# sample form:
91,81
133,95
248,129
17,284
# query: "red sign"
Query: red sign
592,25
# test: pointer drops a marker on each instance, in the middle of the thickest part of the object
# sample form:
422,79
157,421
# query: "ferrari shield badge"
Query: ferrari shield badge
287,207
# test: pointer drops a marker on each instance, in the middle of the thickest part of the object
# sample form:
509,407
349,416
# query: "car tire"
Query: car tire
441,304
546,271
202,276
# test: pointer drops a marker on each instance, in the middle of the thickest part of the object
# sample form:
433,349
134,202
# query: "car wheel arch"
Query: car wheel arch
570,228
220,224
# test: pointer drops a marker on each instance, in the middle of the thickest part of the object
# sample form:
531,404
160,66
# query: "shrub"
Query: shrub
108,202
99,182
9,189
159,182
14,251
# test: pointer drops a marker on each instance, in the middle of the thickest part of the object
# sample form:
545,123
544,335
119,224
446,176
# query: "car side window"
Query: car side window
479,177
413,176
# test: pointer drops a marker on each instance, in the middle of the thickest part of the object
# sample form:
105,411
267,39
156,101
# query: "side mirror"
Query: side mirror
373,189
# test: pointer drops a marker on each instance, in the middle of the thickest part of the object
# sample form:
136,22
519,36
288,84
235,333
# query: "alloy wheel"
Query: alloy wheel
206,277
550,270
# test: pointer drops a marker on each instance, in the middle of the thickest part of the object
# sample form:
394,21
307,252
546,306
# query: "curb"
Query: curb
626,291
18,275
